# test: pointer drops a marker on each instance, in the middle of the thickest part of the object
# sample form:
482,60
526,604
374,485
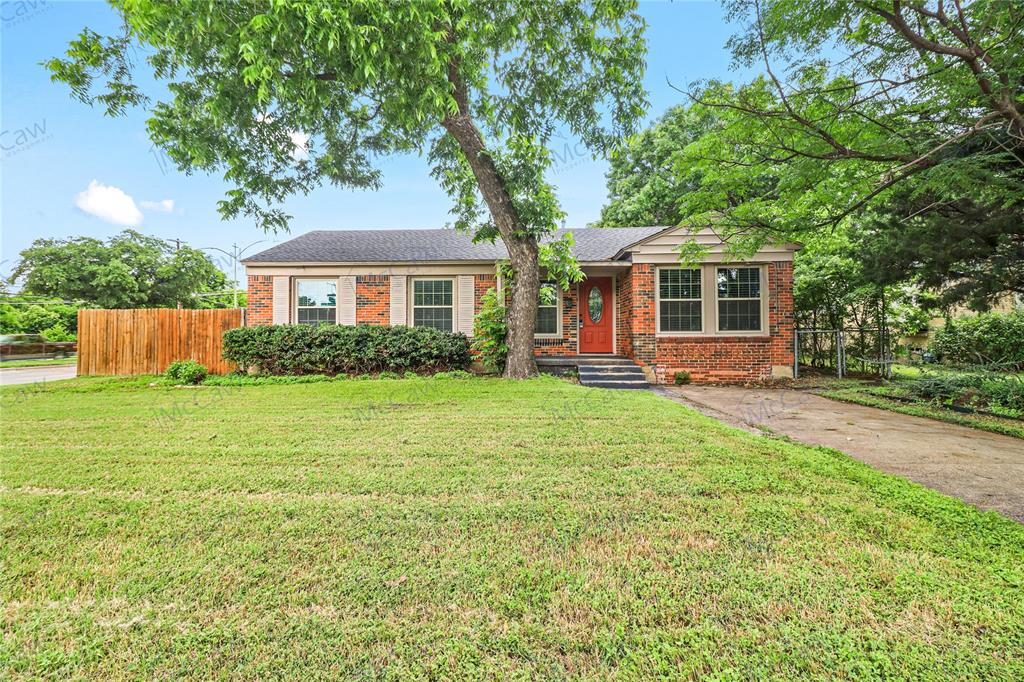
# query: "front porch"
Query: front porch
601,371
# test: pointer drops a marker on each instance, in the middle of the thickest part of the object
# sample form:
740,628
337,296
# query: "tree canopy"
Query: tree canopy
644,185
860,99
285,96
130,270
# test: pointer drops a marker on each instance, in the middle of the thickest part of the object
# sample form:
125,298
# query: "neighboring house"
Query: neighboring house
720,321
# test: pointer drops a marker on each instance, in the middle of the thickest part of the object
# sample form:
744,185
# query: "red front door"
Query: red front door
596,308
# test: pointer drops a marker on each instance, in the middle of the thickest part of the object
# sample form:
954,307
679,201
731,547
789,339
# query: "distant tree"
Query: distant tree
129,270
283,97
962,251
644,186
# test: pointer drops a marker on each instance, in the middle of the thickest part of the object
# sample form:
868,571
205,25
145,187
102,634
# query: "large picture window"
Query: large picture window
547,310
432,303
679,300
739,299
316,301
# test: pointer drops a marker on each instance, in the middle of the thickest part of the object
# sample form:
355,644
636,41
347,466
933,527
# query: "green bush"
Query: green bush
987,339
186,372
983,390
682,378
490,332
334,349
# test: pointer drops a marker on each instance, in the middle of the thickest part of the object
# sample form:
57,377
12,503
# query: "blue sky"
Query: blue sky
62,159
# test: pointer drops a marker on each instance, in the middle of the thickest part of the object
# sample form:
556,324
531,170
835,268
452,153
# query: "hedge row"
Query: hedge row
988,339
334,349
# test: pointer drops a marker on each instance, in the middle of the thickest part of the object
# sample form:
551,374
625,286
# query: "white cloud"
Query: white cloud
109,203
165,206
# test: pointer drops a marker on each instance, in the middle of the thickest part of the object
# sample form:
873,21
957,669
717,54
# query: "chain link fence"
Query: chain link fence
844,351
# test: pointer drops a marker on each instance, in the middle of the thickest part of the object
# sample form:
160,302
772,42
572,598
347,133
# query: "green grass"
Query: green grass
481,529
37,363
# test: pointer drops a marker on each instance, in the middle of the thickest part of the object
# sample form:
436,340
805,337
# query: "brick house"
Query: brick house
722,321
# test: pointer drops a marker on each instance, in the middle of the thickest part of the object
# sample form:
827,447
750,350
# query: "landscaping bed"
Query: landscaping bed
436,528
991,401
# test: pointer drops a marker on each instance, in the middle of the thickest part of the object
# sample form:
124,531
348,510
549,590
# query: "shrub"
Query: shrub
988,339
57,333
332,349
186,372
682,378
490,332
981,390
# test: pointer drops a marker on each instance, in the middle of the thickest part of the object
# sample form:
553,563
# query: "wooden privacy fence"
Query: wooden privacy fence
146,340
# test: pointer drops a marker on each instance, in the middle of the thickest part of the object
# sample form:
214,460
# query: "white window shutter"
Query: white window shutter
347,300
281,295
399,287
465,324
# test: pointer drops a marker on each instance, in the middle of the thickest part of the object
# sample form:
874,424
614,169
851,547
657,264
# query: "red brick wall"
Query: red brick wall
260,302
641,294
624,314
481,283
373,299
714,358
566,344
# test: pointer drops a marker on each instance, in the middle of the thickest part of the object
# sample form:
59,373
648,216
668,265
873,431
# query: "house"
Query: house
720,321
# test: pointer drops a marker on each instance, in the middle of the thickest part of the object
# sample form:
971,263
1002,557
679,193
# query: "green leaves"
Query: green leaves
817,144
130,270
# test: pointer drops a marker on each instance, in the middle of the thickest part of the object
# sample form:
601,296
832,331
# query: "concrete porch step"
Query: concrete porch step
612,373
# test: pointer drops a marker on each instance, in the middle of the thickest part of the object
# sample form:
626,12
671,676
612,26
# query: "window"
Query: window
739,299
679,302
547,310
316,301
432,303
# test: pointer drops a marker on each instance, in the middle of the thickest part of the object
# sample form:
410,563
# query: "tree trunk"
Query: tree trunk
522,250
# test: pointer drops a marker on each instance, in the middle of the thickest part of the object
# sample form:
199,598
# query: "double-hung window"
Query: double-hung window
547,310
433,303
679,300
739,299
316,301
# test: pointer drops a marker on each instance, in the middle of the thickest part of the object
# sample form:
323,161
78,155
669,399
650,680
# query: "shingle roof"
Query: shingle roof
404,246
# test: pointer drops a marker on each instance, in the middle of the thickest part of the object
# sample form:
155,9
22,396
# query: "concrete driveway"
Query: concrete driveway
31,375
983,469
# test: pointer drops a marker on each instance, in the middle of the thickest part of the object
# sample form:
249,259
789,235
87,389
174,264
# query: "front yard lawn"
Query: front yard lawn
474,529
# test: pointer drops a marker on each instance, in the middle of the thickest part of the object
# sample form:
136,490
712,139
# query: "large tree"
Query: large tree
644,185
483,85
964,252
860,99
129,270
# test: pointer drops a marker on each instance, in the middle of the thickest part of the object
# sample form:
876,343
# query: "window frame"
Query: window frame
295,299
702,300
761,299
557,334
411,295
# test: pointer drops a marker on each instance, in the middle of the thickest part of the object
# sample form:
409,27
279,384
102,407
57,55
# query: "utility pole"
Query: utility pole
177,247
235,255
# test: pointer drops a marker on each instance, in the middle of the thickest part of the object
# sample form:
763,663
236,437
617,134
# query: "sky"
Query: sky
68,170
